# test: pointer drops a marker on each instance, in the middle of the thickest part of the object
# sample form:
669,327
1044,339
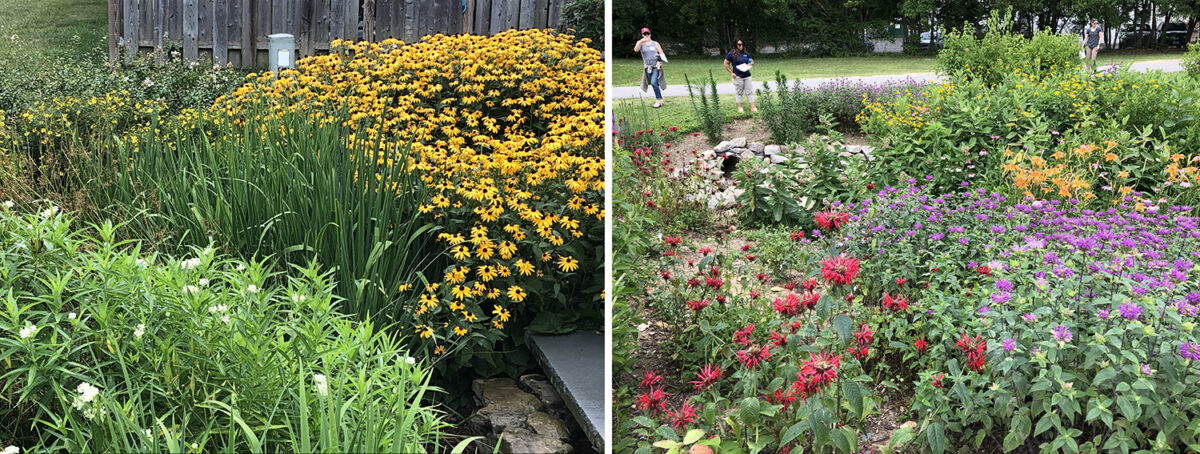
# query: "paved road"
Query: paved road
681,90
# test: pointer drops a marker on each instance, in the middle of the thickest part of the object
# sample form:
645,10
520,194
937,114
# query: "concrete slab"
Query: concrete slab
574,363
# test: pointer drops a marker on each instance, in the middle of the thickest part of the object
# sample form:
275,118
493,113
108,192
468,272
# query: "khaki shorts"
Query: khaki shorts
743,88
1090,52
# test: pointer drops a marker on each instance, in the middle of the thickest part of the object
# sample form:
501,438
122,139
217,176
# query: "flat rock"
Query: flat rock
504,391
517,440
778,159
739,142
771,150
757,147
747,155
723,146
540,386
574,363
548,426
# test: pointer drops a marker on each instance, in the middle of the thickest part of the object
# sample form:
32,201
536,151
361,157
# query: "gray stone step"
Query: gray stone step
574,363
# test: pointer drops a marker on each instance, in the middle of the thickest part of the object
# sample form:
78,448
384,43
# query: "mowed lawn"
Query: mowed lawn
54,28
626,72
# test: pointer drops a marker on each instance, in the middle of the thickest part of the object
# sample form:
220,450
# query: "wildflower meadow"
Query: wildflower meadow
1004,260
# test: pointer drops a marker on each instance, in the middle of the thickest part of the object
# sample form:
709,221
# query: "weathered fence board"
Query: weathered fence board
235,31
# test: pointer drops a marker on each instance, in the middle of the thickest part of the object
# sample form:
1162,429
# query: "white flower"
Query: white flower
87,394
320,385
8,204
191,289
240,267
141,330
217,308
207,251
410,360
148,82
27,331
203,282
49,212
298,298
252,288
11,450
149,434
225,319
71,316
190,263
141,263
1185,184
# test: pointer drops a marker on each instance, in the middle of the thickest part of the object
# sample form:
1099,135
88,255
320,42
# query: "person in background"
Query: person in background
652,60
1093,37
738,63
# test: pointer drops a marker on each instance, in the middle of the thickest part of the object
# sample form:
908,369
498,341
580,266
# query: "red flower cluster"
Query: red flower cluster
654,400
809,284
796,236
863,338
742,336
650,378
745,247
840,270
975,349
686,416
713,282
788,305
900,281
697,305
921,345
708,375
666,275
829,220
705,250
818,372
984,270
937,380
762,277
754,355
898,303
673,240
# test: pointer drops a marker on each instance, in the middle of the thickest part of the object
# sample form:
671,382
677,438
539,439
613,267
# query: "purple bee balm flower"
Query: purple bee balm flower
1103,314
1130,311
1009,344
1062,333
1029,318
1147,371
1001,297
937,236
964,240
1190,350
984,310
1004,285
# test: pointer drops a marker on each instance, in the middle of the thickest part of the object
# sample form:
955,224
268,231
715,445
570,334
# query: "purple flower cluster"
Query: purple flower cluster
1190,350
1062,333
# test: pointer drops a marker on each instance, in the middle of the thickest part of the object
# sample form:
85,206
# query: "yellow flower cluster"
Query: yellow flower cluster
506,133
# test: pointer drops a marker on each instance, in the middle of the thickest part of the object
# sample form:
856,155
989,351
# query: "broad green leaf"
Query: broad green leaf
936,436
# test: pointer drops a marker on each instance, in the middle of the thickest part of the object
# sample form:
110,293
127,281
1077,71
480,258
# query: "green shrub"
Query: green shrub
707,105
1000,52
1191,61
106,347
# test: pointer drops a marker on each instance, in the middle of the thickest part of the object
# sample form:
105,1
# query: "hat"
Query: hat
645,30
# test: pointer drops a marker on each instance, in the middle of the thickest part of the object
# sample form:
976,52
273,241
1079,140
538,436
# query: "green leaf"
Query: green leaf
665,431
854,395
936,436
1019,432
792,433
749,411
839,440
1104,375
693,436
842,323
667,444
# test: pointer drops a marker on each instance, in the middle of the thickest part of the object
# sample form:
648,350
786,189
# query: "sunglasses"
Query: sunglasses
739,44
646,34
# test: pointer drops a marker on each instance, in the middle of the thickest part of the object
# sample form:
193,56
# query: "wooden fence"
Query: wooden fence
224,31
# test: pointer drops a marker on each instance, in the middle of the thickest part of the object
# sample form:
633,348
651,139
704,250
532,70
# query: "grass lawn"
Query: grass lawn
676,112
54,28
627,71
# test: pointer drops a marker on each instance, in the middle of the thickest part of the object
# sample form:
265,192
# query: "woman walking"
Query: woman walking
652,75
738,63
1093,37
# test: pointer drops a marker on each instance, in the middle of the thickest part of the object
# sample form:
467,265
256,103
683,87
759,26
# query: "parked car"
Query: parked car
1174,34
1135,35
931,39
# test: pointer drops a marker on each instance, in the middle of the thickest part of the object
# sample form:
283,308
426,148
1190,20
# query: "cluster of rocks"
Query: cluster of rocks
717,164
528,416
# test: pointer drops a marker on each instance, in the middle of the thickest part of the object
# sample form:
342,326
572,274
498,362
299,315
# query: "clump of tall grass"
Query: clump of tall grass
104,347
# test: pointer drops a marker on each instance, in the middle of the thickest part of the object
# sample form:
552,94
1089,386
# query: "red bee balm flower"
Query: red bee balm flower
976,351
921,345
839,270
864,336
984,270
708,375
673,240
898,303
829,220
937,380
698,304
789,305
686,416
650,378
796,236
654,401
